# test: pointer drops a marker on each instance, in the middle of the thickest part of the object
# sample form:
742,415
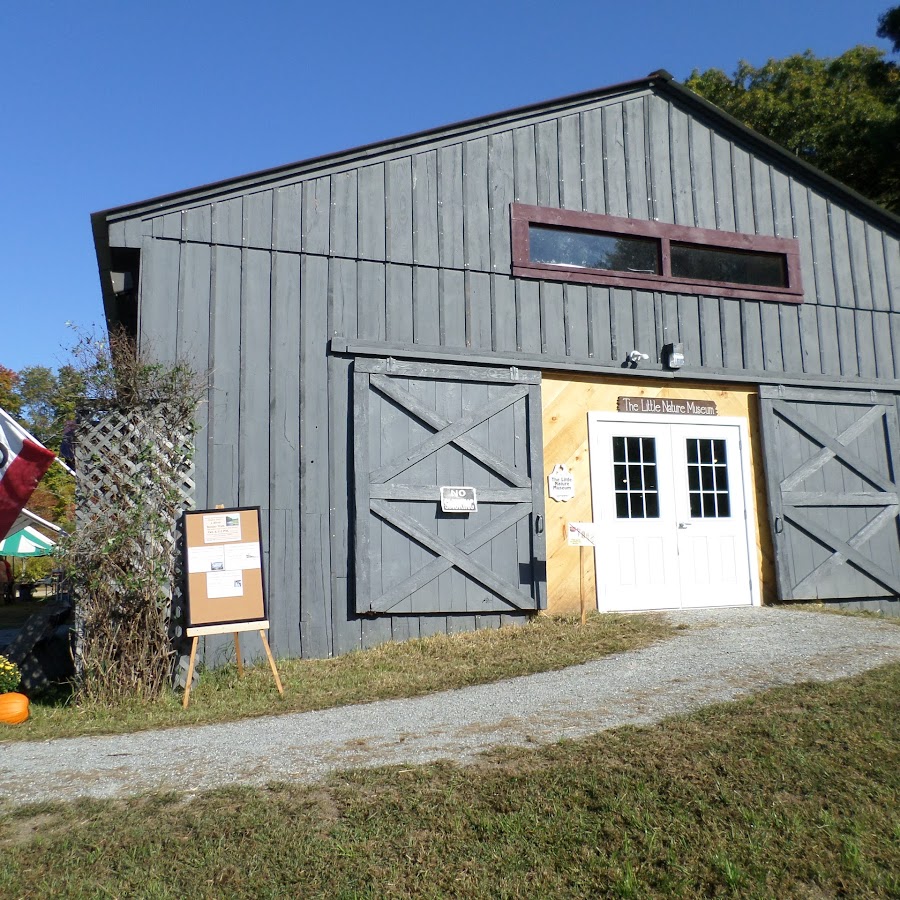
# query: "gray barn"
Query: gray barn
620,309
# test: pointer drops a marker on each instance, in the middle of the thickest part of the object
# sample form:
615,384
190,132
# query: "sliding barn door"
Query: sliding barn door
831,468
417,428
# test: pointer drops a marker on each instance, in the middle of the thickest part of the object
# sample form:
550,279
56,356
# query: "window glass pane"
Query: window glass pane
734,266
696,506
693,478
593,250
707,475
634,477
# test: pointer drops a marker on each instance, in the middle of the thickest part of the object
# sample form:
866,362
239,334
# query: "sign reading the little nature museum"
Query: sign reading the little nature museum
458,500
667,405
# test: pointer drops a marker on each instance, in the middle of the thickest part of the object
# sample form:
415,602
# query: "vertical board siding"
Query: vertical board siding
283,573
569,135
257,220
476,206
370,212
450,206
547,163
659,149
399,210
425,209
592,161
702,175
287,212
316,215
344,215
315,462
636,159
502,191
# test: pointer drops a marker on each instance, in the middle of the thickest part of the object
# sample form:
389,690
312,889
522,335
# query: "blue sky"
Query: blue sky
106,102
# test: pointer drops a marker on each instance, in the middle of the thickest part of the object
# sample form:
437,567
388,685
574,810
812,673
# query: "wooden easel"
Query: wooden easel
234,628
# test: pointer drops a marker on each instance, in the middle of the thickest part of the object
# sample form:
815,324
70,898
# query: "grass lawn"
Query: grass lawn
405,669
793,793
15,614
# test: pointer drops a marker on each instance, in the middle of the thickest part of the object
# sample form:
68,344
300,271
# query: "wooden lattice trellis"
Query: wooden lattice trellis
136,458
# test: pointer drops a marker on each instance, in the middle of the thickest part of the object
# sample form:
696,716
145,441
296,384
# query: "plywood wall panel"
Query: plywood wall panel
566,401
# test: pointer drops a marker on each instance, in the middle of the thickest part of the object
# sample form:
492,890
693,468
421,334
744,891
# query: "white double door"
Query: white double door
670,504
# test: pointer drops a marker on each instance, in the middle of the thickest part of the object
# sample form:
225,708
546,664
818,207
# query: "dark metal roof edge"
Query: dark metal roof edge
367,150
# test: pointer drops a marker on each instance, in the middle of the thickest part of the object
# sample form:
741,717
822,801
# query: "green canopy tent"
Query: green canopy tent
25,543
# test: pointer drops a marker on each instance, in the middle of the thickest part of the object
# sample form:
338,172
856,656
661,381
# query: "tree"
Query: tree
9,399
840,114
889,27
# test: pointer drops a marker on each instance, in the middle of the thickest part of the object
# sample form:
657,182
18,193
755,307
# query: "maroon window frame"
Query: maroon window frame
522,216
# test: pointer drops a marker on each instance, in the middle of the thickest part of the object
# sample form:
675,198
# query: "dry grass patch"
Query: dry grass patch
792,793
392,670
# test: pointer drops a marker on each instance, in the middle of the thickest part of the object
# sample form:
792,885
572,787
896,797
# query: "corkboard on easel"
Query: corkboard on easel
223,562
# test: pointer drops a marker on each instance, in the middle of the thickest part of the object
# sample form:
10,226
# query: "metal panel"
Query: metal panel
417,427
835,538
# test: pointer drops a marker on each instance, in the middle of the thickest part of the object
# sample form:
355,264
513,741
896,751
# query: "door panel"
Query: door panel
831,471
688,546
418,427
713,549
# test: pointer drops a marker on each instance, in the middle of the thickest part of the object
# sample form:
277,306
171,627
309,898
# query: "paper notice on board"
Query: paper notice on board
224,584
220,528
242,556
206,559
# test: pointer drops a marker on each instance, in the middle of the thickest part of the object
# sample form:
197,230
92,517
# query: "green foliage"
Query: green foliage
840,114
9,399
9,675
889,27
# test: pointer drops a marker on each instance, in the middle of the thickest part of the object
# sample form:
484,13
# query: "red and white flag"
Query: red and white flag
23,461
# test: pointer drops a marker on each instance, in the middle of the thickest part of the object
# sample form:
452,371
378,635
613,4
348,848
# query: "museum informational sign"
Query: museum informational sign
668,405
223,566
561,483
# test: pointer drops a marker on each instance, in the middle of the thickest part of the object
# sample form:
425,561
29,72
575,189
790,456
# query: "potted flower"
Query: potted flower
13,705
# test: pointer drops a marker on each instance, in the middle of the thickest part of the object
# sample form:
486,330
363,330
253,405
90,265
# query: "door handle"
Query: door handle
538,524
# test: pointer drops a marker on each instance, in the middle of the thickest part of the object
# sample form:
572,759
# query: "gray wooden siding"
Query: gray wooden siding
413,249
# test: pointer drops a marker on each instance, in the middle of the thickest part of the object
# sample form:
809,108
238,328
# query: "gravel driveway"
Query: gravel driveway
724,654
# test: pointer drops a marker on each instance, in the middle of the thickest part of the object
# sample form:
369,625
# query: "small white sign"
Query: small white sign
458,500
206,559
220,585
219,528
561,483
242,556
581,534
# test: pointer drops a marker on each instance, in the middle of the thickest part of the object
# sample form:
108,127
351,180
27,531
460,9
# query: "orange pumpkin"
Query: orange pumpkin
13,708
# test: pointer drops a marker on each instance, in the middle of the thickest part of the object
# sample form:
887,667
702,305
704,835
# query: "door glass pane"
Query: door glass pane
634,478
707,471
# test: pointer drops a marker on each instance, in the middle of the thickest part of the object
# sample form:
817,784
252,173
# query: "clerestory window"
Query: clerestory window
564,245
